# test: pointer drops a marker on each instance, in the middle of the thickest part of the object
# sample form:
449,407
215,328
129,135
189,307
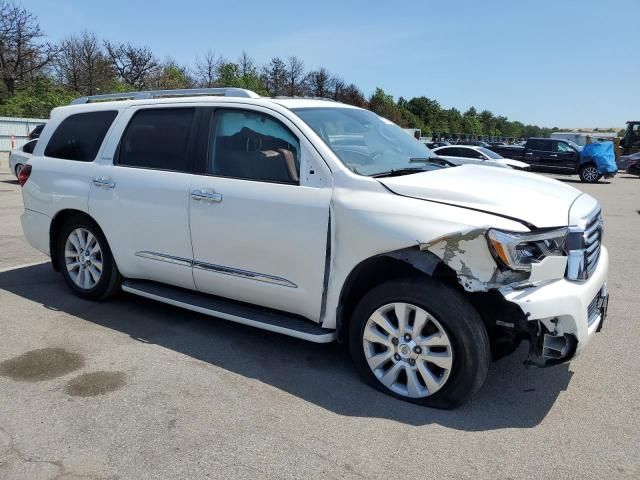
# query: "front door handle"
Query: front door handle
553,155
104,182
206,196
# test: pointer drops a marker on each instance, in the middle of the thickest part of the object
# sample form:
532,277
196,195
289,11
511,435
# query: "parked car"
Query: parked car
432,145
553,156
626,161
35,133
473,143
248,209
462,154
18,157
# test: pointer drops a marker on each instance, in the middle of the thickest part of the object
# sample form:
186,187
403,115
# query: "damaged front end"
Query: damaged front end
486,268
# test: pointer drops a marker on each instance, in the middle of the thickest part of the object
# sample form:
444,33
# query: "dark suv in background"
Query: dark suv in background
552,155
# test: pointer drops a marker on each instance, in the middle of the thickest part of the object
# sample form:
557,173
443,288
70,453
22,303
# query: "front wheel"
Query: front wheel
420,341
85,259
589,173
18,169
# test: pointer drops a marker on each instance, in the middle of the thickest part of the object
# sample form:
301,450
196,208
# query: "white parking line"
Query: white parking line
24,265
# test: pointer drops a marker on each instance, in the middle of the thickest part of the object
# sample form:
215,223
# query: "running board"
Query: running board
251,315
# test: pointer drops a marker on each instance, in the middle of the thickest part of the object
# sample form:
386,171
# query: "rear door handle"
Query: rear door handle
529,153
206,196
553,155
104,182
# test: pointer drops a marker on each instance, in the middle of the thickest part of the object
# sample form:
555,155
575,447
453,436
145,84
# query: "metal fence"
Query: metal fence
19,128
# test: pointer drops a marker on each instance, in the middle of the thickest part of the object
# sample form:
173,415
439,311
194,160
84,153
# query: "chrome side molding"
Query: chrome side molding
236,272
260,277
184,262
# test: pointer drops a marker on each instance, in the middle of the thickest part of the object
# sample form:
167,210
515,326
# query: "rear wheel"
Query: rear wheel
18,169
589,173
85,259
420,341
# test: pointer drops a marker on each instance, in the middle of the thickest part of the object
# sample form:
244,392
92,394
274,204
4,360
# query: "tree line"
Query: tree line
37,75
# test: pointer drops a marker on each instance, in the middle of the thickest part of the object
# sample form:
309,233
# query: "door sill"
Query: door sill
254,316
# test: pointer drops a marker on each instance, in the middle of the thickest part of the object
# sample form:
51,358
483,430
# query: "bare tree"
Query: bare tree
133,65
206,69
319,83
22,56
98,72
352,95
337,87
274,77
247,70
295,76
68,64
82,65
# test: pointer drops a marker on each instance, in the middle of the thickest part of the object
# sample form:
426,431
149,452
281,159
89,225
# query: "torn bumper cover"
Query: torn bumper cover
563,308
561,315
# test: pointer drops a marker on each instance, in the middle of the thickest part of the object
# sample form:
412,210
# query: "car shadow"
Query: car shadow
512,397
10,182
571,180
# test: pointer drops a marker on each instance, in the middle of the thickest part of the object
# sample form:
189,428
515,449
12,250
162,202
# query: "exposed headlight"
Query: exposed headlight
518,250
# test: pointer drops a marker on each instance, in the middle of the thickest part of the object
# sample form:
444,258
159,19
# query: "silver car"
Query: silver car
20,156
464,154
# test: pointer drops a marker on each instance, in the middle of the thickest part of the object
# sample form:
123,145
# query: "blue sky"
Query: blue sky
566,63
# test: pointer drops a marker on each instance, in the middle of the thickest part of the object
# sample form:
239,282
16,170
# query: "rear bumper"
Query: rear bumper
575,309
36,226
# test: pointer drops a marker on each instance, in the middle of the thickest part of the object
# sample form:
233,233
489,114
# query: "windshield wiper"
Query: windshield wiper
436,160
397,172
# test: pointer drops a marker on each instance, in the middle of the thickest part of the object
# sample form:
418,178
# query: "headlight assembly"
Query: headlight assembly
518,250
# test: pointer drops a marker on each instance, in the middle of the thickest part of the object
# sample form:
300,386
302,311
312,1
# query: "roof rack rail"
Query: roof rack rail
303,97
186,92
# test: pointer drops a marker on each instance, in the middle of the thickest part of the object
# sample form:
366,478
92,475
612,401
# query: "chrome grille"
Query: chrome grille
592,241
583,247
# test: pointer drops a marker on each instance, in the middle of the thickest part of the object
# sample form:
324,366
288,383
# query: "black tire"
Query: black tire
17,169
461,322
110,279
589,173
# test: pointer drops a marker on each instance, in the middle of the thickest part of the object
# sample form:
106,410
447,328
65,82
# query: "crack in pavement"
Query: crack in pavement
62,472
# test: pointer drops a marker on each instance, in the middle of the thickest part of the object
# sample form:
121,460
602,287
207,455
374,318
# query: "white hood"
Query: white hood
533,198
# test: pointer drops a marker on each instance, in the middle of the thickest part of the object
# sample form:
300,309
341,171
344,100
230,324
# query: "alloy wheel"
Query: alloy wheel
83,258
407,350
590,174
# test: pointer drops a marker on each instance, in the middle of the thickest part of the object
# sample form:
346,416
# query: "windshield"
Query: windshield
367,143
490,153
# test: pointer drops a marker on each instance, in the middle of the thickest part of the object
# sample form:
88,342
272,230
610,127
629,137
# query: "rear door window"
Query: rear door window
79,136
158,139
540,145
450,152
469,153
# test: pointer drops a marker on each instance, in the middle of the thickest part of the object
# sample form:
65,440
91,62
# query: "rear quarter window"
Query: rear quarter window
158,139
79,136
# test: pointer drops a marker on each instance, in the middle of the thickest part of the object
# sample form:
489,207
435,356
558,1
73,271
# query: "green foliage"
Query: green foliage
36,100
230,75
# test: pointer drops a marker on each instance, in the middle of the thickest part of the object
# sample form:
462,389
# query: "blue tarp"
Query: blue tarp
602,155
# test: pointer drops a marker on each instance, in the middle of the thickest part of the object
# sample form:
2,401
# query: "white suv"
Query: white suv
321,221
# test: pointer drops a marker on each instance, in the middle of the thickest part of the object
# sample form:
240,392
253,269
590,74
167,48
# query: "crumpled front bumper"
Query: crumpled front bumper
571,309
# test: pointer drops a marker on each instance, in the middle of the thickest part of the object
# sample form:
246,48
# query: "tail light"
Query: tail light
24,174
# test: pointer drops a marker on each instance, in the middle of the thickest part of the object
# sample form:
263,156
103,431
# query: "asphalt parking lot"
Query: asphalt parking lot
136,389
